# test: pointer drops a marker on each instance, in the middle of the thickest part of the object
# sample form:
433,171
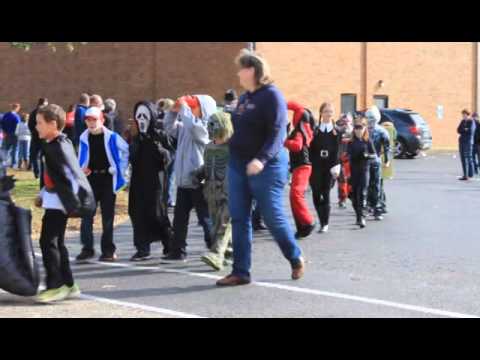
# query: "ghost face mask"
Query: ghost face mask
143,118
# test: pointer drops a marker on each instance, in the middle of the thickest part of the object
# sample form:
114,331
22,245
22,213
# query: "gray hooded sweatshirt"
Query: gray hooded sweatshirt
192,138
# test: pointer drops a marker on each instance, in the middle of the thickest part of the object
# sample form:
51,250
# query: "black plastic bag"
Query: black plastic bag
19,272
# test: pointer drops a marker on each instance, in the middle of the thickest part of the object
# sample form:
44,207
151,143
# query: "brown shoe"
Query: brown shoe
298,270
108,258
232,280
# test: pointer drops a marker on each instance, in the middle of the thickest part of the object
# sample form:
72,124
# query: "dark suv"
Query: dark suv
413,132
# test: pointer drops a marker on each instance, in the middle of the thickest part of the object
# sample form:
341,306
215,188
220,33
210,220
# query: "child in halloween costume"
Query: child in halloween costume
381,142
149,157
214,172
360,151
298,143
188,123
387,172
344,127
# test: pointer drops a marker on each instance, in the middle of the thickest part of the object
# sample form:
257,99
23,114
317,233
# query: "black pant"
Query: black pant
103,191
187,199
321,183
359,180
35,157
54,252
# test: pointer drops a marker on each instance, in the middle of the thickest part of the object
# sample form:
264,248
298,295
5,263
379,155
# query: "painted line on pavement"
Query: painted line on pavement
367,300
141,307
135,305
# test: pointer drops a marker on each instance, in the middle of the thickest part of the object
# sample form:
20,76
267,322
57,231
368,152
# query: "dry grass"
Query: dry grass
27,188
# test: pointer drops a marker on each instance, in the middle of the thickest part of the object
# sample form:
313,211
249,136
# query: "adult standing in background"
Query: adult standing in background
35,144
466,130
80,110
476,144
69,129
10,140
112,117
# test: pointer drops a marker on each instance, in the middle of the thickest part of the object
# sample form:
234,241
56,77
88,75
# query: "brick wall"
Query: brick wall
312,73
127,72
419,76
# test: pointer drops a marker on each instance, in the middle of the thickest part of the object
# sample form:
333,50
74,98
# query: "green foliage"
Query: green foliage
26,46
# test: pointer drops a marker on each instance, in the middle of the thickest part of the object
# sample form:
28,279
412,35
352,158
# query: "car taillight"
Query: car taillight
414,130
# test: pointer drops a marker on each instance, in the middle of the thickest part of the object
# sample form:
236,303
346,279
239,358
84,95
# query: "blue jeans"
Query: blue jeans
466,149
23,150
10,144
170,182
267,188
375,186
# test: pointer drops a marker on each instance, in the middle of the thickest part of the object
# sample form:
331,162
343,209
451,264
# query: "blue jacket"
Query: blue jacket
117,153
260,125
380,138
79,122
9,123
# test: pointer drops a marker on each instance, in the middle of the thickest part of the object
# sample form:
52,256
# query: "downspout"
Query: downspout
363,75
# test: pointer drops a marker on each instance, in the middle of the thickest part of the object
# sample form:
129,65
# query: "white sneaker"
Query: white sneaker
324,229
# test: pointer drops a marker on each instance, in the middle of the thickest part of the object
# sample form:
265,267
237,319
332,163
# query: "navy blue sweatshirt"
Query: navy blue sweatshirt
466,130
260,125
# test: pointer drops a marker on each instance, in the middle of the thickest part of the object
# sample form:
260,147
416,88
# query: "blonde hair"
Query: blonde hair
251,59
165,104
322,107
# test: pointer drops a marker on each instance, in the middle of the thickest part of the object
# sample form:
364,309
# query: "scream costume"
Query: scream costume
149,157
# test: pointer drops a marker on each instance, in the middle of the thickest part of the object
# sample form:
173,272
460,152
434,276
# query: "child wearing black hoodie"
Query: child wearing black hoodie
66,193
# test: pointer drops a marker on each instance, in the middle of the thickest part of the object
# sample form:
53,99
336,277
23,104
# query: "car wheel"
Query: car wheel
399,149
411,156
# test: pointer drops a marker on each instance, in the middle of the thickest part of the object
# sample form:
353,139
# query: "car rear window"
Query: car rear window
418,119
398,116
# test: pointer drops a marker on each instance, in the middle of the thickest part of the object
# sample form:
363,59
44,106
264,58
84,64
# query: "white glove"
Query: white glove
335,171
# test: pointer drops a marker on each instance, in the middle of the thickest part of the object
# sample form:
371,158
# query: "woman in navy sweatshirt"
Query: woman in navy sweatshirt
258,168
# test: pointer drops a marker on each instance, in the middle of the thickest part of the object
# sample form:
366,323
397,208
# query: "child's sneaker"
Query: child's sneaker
213,261
52,295
74,292
229,253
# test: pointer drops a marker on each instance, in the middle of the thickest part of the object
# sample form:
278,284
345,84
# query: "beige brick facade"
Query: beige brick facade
419,76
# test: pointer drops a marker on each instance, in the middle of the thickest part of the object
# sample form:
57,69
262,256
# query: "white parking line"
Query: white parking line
154,309
373,301
141,307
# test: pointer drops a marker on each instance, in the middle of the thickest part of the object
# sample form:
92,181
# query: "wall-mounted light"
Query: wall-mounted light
380,84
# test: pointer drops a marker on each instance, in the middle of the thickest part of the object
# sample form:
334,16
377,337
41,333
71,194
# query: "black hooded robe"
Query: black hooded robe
147,208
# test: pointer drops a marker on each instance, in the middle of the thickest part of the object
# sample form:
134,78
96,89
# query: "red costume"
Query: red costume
298,144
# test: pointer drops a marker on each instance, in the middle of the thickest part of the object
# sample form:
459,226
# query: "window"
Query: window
381,101
348,103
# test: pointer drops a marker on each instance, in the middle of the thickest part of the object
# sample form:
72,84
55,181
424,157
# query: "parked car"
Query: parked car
414,134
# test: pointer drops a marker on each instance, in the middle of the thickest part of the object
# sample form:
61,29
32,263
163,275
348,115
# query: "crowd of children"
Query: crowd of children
190,140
